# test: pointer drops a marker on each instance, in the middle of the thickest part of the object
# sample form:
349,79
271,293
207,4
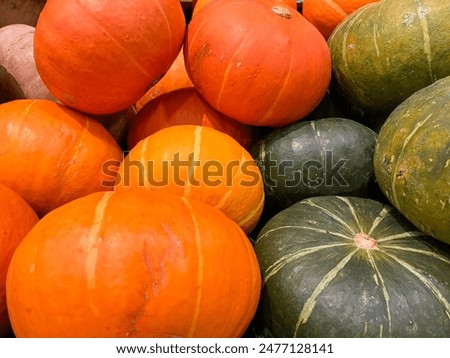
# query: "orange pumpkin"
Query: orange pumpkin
175,78
184,106
326,15
200,4
50,154
133,264
270,68
100,56
16,220
200,163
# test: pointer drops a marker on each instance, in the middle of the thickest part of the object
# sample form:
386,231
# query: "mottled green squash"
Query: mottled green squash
329,156
384,52
412,159
351,267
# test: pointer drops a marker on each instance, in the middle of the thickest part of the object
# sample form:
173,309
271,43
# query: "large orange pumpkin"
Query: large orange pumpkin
16,220
133,264
271,67
50,154
174,79
100,56
184,106
326,15
197,162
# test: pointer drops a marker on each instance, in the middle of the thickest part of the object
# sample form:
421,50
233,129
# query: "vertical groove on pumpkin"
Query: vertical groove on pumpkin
195,161
93,240
382,285
102,30
200,271
310,303
169,29
286,78
250,217
230,66
146,174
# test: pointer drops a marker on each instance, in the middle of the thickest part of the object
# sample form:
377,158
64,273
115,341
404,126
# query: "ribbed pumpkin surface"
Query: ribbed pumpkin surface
351,267
385,51
412,159
134,264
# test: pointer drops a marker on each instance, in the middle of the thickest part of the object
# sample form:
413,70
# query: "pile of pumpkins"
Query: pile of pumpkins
225,168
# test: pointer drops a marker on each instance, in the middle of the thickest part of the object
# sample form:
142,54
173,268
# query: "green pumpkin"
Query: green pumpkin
385,51
329,156
351,267
412,159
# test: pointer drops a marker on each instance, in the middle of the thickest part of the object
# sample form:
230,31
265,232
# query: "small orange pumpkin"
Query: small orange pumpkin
183,106
16,220
50,154
100,56
175,78
133,264
326,15
200,163
272,67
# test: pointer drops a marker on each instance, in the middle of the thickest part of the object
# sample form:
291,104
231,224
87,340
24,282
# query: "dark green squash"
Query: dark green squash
329,156
412,159
385,51
351,267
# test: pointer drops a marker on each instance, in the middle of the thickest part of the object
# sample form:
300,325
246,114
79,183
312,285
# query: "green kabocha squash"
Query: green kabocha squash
385,51
412,159
329,156
351,267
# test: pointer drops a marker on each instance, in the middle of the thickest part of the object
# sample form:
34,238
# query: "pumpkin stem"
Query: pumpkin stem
364,241
282,11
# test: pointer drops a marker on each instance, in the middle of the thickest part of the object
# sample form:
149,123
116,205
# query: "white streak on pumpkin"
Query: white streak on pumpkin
195,160
291,257
383,289
311,301
383,214
200,271
429,285
330,214
93,240
315,229
422,11
352,210
402,235
431,254
375,41
400,157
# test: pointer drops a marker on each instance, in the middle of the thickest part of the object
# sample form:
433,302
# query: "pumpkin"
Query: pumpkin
18,75
175,78
133,264
50,154
107,64
197,162
326,15
16,220
337,267
370,71
412,159
200,4
184,106
20,12
329,156
271,68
